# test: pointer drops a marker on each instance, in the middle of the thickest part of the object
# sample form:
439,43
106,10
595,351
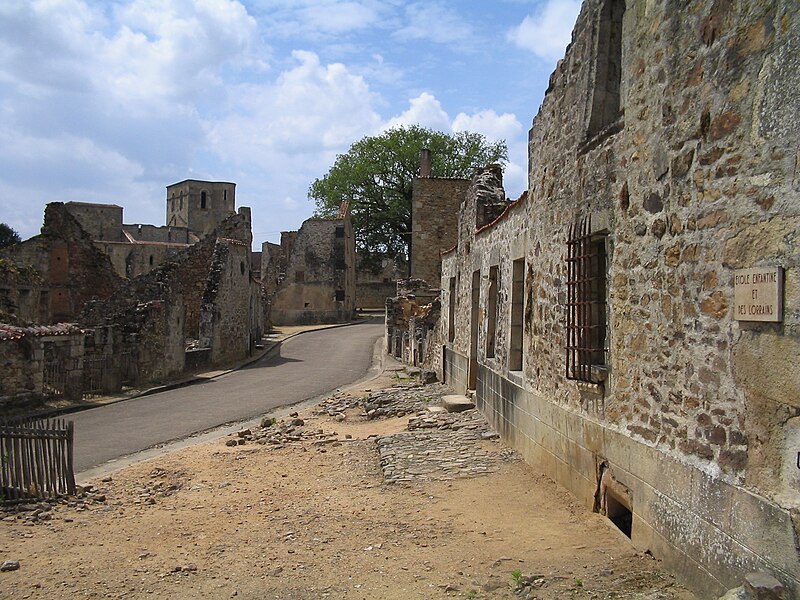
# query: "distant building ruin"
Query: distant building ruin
310,277
202,307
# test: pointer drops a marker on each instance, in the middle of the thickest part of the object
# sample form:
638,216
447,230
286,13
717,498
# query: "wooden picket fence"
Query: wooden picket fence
36,460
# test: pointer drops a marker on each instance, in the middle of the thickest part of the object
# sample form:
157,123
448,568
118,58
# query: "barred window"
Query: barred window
517,315
586,304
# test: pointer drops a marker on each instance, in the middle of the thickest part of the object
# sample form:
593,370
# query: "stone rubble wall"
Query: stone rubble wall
70,269
314,265
435,203
699,416
158,311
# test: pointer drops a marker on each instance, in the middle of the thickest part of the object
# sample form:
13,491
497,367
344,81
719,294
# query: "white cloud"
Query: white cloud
173,50
547,32
435,22
424,110
490,124
310,109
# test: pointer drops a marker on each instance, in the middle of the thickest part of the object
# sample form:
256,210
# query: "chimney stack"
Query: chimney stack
424,163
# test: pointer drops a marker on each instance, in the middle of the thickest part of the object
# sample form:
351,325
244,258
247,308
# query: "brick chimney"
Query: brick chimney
424,163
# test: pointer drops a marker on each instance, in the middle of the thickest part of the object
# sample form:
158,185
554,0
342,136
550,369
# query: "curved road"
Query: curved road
306,366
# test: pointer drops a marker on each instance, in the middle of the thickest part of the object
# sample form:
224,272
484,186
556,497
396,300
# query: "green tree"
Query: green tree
8,236
375,177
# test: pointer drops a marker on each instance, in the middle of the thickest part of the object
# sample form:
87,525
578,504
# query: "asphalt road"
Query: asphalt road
306,366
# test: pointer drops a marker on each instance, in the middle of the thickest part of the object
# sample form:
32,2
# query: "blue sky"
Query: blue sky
113,101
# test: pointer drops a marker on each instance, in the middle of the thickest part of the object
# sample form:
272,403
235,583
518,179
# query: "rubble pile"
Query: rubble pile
283,433
398,401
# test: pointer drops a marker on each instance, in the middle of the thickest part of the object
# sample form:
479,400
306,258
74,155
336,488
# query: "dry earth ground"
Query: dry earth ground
314,518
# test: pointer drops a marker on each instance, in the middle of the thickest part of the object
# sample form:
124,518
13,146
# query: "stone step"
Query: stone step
457,403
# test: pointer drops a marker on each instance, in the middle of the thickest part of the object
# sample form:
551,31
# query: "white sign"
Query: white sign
758,294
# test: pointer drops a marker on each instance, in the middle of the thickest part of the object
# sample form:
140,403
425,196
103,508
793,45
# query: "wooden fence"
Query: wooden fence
36,459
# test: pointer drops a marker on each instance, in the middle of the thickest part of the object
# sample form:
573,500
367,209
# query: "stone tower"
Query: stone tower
200,205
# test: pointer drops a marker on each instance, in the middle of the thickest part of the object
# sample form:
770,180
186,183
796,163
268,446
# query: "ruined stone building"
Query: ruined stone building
434,206
193,210
199,206
196,303
310,277
375,286
632,324
50,277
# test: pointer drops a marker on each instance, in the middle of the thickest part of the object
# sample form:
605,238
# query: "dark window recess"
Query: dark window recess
151,261
605,100
339,264
517,315
491,326
451,314
340,295
299,276
203,199
340,232
586,304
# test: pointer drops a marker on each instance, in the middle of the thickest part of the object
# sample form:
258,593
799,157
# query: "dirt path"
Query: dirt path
297,512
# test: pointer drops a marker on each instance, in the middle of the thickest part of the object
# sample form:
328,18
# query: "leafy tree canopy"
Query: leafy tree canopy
375,177
8,236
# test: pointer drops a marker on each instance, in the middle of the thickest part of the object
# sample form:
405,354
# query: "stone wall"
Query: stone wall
39,362
100,221
200,206
316,274
69,270
373,287
209,282
229,323
686,164
434,207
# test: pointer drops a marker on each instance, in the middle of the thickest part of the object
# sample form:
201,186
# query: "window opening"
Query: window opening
491,328
203,199
339,232
299,276
606,107
451,317
339,295
472,375
517,314
586,304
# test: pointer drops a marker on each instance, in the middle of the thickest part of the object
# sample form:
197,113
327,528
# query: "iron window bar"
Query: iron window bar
586,304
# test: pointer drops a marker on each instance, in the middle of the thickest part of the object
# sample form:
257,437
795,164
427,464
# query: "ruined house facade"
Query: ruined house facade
194,209
434,206
310,277
202,307
632,325
50,277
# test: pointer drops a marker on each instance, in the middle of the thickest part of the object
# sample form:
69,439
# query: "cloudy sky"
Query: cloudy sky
113,100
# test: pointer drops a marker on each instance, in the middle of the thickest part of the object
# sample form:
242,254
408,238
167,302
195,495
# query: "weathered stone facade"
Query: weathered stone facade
434,206
200,206
50,277
374,287
595,317
315,268
206,292
194,209
38,362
